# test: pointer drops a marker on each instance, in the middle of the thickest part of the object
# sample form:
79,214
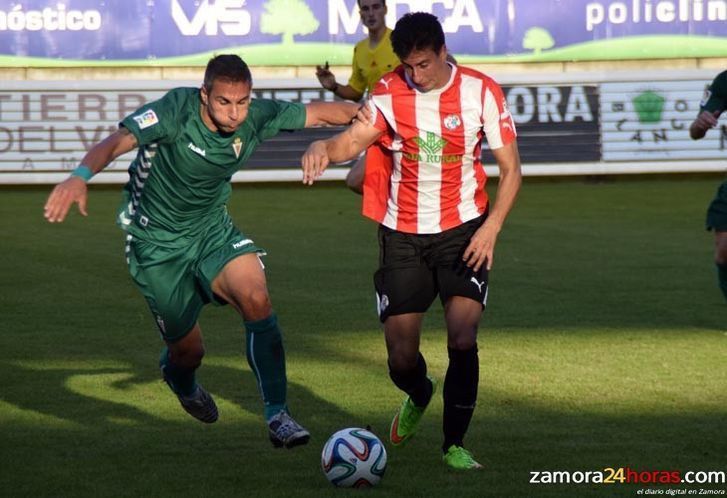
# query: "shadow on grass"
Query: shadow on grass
100,398
120,450
126,435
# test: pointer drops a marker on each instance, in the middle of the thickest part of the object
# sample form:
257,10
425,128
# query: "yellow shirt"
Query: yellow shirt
369,65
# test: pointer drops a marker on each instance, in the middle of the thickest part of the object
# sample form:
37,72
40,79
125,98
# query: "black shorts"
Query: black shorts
414,268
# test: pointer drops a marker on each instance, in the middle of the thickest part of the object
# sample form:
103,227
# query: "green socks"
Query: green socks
266,357
181,380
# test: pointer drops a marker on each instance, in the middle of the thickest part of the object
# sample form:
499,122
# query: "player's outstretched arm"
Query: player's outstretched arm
73,189
705,121
329,113
341,147
482,245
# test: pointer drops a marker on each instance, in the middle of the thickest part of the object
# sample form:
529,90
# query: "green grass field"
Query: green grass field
604,345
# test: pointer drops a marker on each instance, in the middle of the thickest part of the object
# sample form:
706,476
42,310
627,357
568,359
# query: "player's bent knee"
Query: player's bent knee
462,343
402,356
256,305
463,337
188,356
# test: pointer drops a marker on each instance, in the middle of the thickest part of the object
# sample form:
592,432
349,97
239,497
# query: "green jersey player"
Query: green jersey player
712,105
182,248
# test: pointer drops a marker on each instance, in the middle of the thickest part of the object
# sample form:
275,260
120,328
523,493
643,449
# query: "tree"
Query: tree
649,106
538,39
288,18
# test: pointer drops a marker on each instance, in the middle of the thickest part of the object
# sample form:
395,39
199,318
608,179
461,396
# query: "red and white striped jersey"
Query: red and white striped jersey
425,175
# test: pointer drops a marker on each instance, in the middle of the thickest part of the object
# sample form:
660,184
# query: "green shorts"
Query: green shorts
717,212
177,282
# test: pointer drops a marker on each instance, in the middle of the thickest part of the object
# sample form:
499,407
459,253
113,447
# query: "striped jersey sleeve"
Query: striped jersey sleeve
498,124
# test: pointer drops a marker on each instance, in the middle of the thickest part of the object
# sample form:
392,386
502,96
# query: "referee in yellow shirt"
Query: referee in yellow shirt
372,58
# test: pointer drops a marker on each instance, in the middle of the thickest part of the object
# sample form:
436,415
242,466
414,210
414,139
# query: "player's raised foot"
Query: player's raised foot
286,432
460,459
200,405
406,420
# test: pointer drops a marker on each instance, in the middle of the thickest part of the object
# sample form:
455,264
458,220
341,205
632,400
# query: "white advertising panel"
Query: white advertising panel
649,121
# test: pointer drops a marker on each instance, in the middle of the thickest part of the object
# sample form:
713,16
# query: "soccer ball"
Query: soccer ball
353,458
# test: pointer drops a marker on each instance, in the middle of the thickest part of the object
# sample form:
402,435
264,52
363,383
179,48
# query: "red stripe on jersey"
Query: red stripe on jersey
481,194
481,177
404,107
450,118
377,181
377,170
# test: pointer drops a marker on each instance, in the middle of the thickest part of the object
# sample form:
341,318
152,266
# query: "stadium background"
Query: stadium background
610,84
604,342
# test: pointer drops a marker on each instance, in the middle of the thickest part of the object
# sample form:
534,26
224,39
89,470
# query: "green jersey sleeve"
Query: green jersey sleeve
269,117
158,121
715,96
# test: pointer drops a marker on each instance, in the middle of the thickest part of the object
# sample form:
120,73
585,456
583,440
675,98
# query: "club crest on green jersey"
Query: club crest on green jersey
237,147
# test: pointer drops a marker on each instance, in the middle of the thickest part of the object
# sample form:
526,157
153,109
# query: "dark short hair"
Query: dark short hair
417,31
227,67
383,2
